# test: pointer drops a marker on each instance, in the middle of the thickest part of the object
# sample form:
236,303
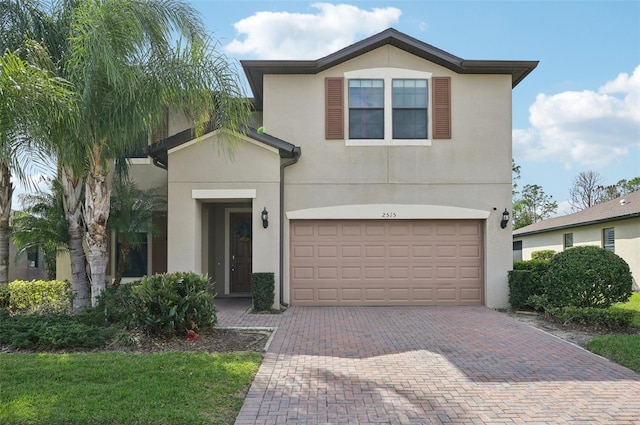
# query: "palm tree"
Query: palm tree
32,101
128,60
42,224
131,217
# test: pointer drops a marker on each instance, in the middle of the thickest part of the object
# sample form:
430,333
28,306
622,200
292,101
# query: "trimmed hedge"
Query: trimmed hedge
38,297
526,280
543,254
263,291
613,320
587,276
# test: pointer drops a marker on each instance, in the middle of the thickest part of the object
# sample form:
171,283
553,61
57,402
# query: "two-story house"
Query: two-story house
377,175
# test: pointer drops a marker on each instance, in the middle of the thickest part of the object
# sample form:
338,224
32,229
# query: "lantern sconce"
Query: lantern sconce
505,219
265,218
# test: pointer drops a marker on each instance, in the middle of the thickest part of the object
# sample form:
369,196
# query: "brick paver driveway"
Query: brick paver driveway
427,365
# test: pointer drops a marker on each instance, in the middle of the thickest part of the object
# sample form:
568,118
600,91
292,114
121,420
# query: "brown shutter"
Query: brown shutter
441,107
334,108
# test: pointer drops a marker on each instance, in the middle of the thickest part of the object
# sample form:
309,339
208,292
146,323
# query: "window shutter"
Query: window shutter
334,108
441,107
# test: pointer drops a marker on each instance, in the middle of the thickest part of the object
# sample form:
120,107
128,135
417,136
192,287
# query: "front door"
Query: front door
241,231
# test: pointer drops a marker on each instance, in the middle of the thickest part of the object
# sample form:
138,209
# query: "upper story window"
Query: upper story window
609,239
409,109
388,106
366,109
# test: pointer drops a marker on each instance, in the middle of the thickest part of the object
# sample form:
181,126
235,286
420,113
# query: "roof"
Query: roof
159,150
256,69
621,208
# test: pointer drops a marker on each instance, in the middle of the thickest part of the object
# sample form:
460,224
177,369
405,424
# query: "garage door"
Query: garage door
379,262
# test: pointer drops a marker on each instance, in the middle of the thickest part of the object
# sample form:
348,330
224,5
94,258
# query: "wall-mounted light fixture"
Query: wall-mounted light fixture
505,219
265,218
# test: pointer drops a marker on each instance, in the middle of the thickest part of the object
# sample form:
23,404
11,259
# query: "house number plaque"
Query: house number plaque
388,215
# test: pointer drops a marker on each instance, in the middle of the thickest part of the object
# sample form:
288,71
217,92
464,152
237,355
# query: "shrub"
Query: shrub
173,302
5,296
613,320
263,291
587,276
36,332
526,280
543,254
116,305
40,297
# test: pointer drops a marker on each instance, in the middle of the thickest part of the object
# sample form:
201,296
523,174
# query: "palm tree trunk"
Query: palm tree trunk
6,192
72,201
125,249
97,202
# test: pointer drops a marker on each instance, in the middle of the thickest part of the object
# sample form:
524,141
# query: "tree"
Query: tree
586,190
126,66
131,218
515,176
32,100
532,206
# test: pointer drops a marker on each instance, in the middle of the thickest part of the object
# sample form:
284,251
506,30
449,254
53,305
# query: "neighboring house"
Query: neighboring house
613,225
28,266
378,176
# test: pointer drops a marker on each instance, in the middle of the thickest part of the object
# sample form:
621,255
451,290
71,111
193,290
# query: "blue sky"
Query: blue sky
579,110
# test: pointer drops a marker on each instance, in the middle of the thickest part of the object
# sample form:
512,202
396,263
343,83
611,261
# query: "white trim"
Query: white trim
139,161
387,74
227,244
394,142
223,194
388,212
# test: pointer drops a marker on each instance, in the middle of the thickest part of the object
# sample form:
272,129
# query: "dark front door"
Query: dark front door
241,234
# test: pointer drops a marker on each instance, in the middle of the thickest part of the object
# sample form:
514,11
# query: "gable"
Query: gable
257,69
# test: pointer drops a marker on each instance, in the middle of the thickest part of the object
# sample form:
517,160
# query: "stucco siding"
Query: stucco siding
200,174
470,170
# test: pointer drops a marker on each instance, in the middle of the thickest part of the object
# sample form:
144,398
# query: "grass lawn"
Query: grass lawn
622,349
123,388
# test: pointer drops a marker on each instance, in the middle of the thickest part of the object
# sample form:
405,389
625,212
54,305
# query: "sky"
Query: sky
579,110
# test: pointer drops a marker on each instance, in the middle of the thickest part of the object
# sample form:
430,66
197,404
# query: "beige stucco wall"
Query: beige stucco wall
627,241
248,178
471,170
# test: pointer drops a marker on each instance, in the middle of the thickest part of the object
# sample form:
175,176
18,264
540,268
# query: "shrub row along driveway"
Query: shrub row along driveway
417,365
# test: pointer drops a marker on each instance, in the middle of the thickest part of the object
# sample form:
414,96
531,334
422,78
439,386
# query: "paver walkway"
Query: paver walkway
426,365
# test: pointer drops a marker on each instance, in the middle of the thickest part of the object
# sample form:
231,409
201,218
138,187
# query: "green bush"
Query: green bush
173,302
116,305
613,320
526,280
5,296
40,297
263,291
543,254
40,332
587,276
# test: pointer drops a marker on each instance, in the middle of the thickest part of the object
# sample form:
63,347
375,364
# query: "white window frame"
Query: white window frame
388,75
609,246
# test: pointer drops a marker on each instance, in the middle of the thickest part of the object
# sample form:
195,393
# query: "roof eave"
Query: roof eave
581,224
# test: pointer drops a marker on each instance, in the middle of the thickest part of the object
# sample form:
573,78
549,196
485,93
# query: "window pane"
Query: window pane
136,265
608,239
366,124
409,93
409,124
366,94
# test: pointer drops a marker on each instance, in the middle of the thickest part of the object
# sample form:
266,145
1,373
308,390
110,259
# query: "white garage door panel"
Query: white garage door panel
377,262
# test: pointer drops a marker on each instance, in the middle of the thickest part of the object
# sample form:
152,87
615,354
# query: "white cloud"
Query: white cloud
592,129
285,35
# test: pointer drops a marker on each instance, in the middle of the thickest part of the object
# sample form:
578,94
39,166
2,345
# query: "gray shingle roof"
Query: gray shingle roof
620,208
